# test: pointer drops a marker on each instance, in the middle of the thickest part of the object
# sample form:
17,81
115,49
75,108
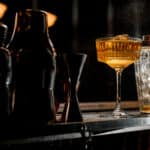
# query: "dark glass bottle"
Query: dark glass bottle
5,75
34,68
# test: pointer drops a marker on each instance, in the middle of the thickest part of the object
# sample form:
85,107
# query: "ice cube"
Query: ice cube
121,37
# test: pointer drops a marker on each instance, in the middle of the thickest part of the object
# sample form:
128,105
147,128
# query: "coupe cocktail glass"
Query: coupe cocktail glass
118,52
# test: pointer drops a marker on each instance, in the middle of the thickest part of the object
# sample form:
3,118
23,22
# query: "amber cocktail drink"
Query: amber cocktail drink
118,52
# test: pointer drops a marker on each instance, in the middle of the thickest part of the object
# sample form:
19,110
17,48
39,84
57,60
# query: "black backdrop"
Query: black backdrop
79,24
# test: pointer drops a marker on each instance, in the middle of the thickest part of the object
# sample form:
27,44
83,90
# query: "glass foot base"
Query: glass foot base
119,114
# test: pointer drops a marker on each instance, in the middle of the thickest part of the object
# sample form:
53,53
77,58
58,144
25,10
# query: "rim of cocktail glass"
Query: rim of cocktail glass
105,38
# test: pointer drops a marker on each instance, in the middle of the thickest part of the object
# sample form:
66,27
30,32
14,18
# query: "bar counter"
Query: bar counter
97,123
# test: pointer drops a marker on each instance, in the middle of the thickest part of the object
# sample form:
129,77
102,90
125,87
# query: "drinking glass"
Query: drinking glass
118,52
142,74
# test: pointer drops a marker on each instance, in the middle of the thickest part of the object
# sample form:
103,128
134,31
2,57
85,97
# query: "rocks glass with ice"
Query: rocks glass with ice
142,74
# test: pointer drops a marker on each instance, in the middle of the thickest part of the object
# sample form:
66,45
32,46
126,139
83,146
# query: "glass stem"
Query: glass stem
118,112
118,88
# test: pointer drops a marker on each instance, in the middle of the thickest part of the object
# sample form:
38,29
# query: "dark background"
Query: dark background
79,23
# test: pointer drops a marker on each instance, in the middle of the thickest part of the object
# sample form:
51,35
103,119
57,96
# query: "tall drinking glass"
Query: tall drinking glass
118,52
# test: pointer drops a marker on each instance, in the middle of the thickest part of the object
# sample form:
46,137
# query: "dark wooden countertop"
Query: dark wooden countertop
97,122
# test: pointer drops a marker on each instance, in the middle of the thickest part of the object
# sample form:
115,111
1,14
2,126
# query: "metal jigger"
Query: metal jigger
75,63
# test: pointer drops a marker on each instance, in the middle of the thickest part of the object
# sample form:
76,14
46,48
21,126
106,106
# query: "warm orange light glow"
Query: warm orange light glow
3,9
51,19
